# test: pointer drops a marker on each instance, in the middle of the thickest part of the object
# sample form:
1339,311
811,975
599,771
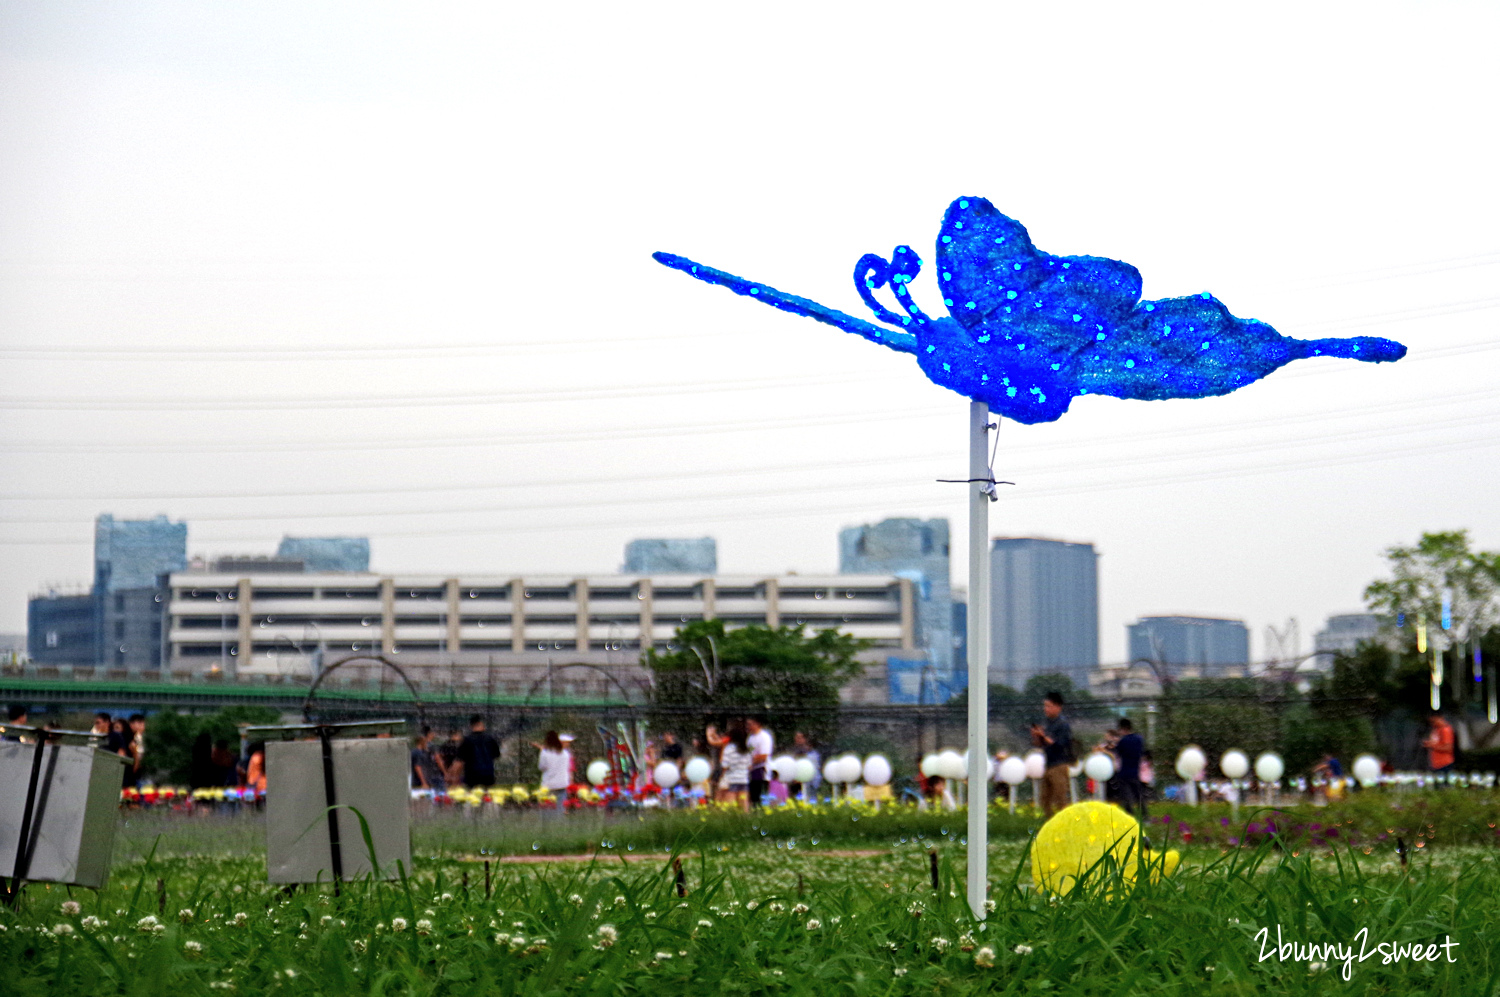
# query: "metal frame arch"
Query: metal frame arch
416,695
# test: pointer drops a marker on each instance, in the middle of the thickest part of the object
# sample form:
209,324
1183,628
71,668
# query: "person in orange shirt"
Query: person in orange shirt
1439,744
255,775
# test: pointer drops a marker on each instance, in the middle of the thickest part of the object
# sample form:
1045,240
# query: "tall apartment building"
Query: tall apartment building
697,556
1191,646
131,557
319,554
1044,598
1343,634
916,549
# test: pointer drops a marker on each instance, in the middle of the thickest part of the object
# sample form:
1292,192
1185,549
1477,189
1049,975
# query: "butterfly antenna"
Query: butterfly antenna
901,342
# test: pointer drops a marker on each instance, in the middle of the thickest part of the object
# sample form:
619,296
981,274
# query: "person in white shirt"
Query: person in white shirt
556,764
762,745
736,759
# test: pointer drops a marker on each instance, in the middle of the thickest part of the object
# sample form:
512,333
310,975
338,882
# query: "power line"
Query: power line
379,401
883,502
1298,420
825,465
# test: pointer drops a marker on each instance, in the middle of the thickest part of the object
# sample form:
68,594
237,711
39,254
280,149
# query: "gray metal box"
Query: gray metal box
370,775
77,808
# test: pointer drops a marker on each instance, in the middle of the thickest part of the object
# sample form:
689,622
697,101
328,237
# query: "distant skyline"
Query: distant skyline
287,269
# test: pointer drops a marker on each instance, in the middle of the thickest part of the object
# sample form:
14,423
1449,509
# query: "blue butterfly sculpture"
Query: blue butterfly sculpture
1030,331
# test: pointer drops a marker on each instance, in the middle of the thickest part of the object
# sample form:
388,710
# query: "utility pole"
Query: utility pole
981,493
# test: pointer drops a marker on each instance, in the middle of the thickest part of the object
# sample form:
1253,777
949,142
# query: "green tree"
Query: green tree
1216,715
710,673
1439,569
170,736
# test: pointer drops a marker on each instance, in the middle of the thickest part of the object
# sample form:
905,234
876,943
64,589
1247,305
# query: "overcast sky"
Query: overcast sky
385,270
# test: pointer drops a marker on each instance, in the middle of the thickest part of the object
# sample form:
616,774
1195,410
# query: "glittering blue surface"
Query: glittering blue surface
1029,331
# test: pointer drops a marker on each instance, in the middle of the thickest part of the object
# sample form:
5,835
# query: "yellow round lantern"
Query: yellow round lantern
1076,838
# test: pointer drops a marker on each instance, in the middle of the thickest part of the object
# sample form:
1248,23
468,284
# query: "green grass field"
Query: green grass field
829,911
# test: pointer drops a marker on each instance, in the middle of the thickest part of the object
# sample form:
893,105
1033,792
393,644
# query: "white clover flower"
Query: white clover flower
704,923
777,972
240,919
814,924
147,923
776,908
516,941
360,945
446,897
1316,967
989,906
1023,950
192,946
93,922
984,958
751,905
424,927
221,985
941,944
620,902
651,915
915,910
575,900
608,935
966,942
326,919
662,956
185,915
71,908
290,973
899,971
800,909
398,924
62,929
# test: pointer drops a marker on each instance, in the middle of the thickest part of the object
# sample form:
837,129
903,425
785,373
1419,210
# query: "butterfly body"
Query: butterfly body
1028,332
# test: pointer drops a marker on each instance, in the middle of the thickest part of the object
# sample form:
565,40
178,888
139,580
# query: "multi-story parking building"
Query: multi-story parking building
469,632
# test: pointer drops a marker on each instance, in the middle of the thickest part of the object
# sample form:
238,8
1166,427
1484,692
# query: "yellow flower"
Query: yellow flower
1080,836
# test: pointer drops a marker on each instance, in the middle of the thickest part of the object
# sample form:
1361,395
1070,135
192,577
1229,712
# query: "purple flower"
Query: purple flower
1224,821
1332,832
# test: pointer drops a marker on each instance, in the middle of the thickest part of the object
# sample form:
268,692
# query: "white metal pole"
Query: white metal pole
979,656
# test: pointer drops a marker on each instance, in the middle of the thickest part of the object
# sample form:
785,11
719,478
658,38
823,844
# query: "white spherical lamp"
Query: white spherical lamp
950,764
850,768
597,771
832,770
1191,762
877,770
1013,771
1099,767
1234,764
1367,770
784,767
698,770
1036,764
804,770
929,765
1269,767
666,775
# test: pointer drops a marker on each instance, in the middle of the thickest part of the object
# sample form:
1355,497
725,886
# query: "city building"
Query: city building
470,631
917,550
1343,634
131,557
60,629
1044,598
321,554
1191,646
698,556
